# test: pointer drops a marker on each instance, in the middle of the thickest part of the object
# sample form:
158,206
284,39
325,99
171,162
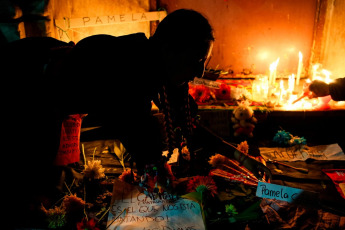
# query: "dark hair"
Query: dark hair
183,29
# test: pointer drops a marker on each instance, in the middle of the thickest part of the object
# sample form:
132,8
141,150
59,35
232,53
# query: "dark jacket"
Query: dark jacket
337,89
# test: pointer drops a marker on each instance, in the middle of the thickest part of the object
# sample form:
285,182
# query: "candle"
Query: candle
281,87
327,75
315,67
260,88
273,72
291,83
299,69
270,77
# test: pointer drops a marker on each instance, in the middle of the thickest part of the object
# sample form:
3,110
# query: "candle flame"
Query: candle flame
321,75
281,84
327,75
274,65
300,55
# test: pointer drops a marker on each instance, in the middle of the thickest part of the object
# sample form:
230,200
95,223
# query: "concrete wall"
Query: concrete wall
60,9
249,34
253,34
332,55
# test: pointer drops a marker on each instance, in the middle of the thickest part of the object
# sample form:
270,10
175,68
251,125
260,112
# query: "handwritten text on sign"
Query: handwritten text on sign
295,153
70,23
153,211
69,151
278,192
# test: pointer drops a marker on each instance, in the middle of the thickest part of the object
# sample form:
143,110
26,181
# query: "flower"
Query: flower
94,170
230,209
87,224
216,160
287,139
201,184
240,93
126,176
200,93
72,203
223,93
243,147
185,153
55,216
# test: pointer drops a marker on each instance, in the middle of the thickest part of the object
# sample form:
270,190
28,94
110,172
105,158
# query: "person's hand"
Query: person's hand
318,89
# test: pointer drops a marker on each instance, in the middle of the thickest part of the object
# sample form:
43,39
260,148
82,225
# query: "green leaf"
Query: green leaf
120,151
253,208
247,216
251,213
194,196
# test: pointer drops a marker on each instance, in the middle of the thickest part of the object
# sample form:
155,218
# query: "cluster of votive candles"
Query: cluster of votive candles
264,87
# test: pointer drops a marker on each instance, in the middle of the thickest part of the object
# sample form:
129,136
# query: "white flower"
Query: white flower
239,93
94,170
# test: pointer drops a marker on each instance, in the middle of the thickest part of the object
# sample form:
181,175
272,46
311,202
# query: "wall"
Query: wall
32,18
58,9
253,34
249,34
332,54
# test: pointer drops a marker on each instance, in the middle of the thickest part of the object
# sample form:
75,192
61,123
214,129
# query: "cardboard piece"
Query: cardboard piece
278,192
69,151
295,153
135,210
71,23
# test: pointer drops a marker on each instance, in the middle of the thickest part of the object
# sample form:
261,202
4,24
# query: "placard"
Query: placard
69,150
86,21
296,153
135,210
209,83
278,192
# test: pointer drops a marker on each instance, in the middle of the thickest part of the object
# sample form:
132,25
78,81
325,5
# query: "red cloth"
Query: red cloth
338,178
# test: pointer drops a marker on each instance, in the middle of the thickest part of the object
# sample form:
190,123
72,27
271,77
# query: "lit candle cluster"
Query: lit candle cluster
263,87
266,89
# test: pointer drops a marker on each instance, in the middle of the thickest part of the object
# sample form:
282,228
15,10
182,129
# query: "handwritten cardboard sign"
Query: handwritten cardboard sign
71,23
278,192
295,153
152,211
69,151
209,83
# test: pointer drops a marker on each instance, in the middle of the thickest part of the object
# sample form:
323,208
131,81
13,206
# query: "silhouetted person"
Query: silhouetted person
113,80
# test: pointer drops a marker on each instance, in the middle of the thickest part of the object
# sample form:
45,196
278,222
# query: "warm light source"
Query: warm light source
327,75
291,83
300,67
321,75
273,72
263,55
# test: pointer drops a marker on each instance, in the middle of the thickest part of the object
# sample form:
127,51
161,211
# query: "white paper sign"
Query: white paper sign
174,156
209,83
278,192
153,212
71,23
295,153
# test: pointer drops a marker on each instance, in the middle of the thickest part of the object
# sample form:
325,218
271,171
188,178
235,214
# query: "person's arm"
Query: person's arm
337,89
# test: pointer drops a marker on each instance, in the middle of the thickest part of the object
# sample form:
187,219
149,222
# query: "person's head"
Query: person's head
184,39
